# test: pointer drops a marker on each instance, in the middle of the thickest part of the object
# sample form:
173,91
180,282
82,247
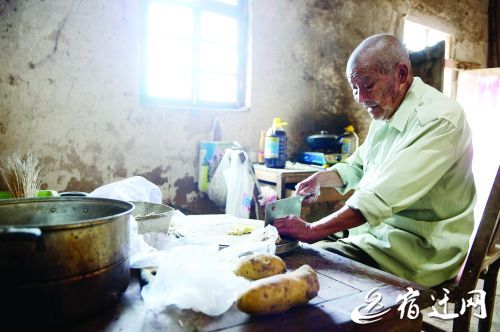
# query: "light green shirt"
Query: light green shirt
413,184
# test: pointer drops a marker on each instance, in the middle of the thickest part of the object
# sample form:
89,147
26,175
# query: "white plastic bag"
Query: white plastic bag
193,277
137,245
239,186
217,190
260,241
200,276
135,188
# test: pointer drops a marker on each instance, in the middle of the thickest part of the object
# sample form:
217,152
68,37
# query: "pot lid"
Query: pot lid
323,134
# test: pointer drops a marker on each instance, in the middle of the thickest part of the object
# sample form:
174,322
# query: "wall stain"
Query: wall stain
119,169
13,80
3,130
85,184
308,77
184,186
48,160
155,176
199,205
93,148
326,5
90,176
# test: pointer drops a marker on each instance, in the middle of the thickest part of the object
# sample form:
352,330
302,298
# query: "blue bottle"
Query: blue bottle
275,145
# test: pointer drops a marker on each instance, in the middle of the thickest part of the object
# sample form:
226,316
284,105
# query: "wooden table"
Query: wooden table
284,181
343,287
280,177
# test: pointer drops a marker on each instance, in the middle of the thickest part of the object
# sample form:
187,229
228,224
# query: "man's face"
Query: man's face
376,92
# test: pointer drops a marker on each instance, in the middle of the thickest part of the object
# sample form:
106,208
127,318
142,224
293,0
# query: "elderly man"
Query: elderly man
412,210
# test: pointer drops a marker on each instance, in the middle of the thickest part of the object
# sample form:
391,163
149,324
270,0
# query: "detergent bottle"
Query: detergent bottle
275,145
349,142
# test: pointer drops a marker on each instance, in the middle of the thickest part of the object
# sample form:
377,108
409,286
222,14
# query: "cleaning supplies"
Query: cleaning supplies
349,141
275,145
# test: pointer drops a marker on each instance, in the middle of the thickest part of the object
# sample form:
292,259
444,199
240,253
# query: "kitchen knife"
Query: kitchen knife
284,207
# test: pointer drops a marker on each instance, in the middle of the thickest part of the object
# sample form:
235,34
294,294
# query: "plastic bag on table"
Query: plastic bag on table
137,245
193,277
239,185
200,277
217,190
260,241
135,188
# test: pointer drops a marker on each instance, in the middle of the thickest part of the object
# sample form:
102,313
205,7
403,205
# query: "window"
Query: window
194,53
417,37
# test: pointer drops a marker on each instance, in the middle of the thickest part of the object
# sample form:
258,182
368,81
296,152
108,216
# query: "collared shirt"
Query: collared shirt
413,184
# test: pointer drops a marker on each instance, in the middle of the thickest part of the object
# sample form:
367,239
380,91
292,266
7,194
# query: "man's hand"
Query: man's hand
313,183
297,228
309,186
343,219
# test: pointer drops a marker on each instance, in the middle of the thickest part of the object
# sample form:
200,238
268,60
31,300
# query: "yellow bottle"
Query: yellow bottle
349,141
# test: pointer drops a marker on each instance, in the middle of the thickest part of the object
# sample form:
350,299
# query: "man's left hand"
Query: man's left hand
295,227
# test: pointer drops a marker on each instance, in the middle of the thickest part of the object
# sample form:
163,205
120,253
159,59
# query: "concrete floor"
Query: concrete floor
448,324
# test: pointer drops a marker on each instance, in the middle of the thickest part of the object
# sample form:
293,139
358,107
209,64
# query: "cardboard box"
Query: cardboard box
210,155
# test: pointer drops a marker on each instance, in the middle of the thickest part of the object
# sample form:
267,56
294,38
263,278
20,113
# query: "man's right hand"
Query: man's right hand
309,186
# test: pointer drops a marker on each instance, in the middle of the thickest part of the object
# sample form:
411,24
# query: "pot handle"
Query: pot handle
73,193
15,233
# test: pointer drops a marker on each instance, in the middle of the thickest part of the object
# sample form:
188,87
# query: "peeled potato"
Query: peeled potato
259,266
279,293
241,230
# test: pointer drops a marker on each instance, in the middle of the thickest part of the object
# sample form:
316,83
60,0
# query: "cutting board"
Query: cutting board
214,228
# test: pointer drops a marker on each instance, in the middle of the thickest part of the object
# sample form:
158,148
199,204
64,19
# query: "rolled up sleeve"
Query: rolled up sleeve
372,207
350,171
350,175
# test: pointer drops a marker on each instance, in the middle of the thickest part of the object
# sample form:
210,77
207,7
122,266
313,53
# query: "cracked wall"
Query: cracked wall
69,78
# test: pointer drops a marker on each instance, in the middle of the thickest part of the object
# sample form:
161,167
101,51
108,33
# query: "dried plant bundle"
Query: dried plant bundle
22,176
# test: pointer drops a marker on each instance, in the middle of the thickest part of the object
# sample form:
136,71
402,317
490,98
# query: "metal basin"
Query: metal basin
63,258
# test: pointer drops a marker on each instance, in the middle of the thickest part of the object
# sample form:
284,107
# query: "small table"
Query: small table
329,201
344,286
280,177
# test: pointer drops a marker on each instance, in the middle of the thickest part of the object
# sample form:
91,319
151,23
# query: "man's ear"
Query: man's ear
403,72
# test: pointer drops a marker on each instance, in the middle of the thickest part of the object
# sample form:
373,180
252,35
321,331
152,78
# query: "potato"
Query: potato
259,266
280,292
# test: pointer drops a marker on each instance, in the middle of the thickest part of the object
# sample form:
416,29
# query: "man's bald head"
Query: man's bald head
383,51
379,72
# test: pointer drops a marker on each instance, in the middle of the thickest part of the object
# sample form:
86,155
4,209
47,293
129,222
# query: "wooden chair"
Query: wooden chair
481,263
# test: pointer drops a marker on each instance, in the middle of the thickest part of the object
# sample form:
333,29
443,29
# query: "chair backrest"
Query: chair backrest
485,239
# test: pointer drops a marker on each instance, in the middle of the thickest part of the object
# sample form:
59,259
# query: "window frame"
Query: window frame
240,13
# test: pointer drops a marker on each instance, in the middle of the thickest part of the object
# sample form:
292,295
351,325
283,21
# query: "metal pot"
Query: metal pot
324,141
62,258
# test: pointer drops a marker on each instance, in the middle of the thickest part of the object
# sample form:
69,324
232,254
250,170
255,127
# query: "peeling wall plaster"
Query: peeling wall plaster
69,84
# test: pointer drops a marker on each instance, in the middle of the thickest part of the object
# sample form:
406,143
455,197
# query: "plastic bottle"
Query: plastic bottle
349,141
275,145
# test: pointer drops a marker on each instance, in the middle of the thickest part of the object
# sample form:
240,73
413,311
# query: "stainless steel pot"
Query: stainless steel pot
62,258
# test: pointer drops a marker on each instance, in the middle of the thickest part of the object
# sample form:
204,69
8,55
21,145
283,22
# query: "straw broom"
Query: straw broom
22,176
